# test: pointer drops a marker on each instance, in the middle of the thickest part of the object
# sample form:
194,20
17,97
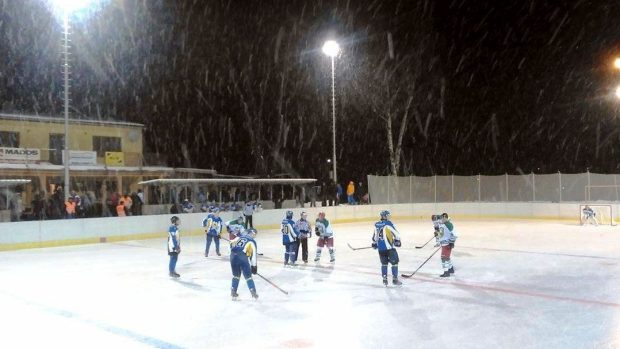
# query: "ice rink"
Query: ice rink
518,284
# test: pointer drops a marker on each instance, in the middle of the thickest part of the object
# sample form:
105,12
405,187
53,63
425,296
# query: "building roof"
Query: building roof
13,182
60,120
51,167
230,181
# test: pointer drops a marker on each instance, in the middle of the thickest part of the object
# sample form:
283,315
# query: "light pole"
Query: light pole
332,49
65,157
67,7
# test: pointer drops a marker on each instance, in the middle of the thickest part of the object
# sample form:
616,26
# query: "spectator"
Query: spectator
128,203
70,208
351,193
16,207
188,207
120,209
339,194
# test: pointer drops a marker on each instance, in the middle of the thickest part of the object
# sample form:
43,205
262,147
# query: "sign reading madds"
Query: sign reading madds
19,154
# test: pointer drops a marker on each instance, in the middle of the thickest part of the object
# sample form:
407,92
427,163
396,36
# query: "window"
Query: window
103,144
9,139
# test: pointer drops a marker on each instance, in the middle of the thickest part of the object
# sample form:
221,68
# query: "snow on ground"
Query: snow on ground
518,284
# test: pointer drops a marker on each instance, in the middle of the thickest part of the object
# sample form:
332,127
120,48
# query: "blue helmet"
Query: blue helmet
252,231
384,214
215,210
289,214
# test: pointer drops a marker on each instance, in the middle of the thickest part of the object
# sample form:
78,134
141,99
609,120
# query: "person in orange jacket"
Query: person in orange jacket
70,208
350,193
120,209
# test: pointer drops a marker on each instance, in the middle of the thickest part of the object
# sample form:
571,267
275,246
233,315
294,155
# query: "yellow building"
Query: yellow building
105,157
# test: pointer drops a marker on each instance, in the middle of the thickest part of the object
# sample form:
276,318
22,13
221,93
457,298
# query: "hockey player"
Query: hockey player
303,226
231,225
213,230
290,237
324,231
385,239
436,218
243,259
447,238
589,214
174,245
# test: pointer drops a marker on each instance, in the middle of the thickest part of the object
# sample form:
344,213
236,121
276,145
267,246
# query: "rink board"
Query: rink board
33,234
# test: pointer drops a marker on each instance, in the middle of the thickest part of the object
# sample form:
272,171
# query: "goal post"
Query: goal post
604,213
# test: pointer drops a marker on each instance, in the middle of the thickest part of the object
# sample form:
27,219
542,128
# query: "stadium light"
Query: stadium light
331,49
617,63
618,92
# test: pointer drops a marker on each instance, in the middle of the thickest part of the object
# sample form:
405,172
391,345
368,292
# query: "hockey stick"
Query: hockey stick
358,248
272,284
429,240
429,257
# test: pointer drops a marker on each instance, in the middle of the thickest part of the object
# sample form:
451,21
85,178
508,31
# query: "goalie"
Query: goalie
588,215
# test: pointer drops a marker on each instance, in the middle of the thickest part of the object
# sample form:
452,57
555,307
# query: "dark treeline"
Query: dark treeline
422,87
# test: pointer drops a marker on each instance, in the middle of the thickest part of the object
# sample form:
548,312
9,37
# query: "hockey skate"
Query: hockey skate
396,282
451,270
206,254
234,295
445,274
174,274
332,260
254,294
316,259
385,281
218,253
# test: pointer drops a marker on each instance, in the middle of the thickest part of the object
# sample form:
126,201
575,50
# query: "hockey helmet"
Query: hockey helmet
240,219
175,220
237,230
215,210
289,214
252,232
384,214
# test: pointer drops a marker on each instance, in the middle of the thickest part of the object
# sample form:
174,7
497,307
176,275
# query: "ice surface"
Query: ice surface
518,284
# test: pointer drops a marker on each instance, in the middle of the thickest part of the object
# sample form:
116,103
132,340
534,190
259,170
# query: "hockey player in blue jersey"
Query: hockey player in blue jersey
213,230
385,239
447,238
174,245
290,236
243,252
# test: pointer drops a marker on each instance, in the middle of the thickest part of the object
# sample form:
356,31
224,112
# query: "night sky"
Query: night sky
487,87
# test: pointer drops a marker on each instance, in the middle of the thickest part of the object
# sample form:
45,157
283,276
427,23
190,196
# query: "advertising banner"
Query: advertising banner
114,158
19,154
81,157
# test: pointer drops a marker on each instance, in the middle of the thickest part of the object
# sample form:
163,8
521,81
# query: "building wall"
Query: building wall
36,135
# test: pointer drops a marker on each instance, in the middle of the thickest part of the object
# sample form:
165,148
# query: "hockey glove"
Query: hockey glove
451,245
397,243
254,270
374,245
436,233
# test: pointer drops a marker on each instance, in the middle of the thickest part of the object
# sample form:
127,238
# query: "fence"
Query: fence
557,187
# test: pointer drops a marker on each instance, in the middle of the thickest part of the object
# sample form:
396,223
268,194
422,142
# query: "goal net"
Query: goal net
603,214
